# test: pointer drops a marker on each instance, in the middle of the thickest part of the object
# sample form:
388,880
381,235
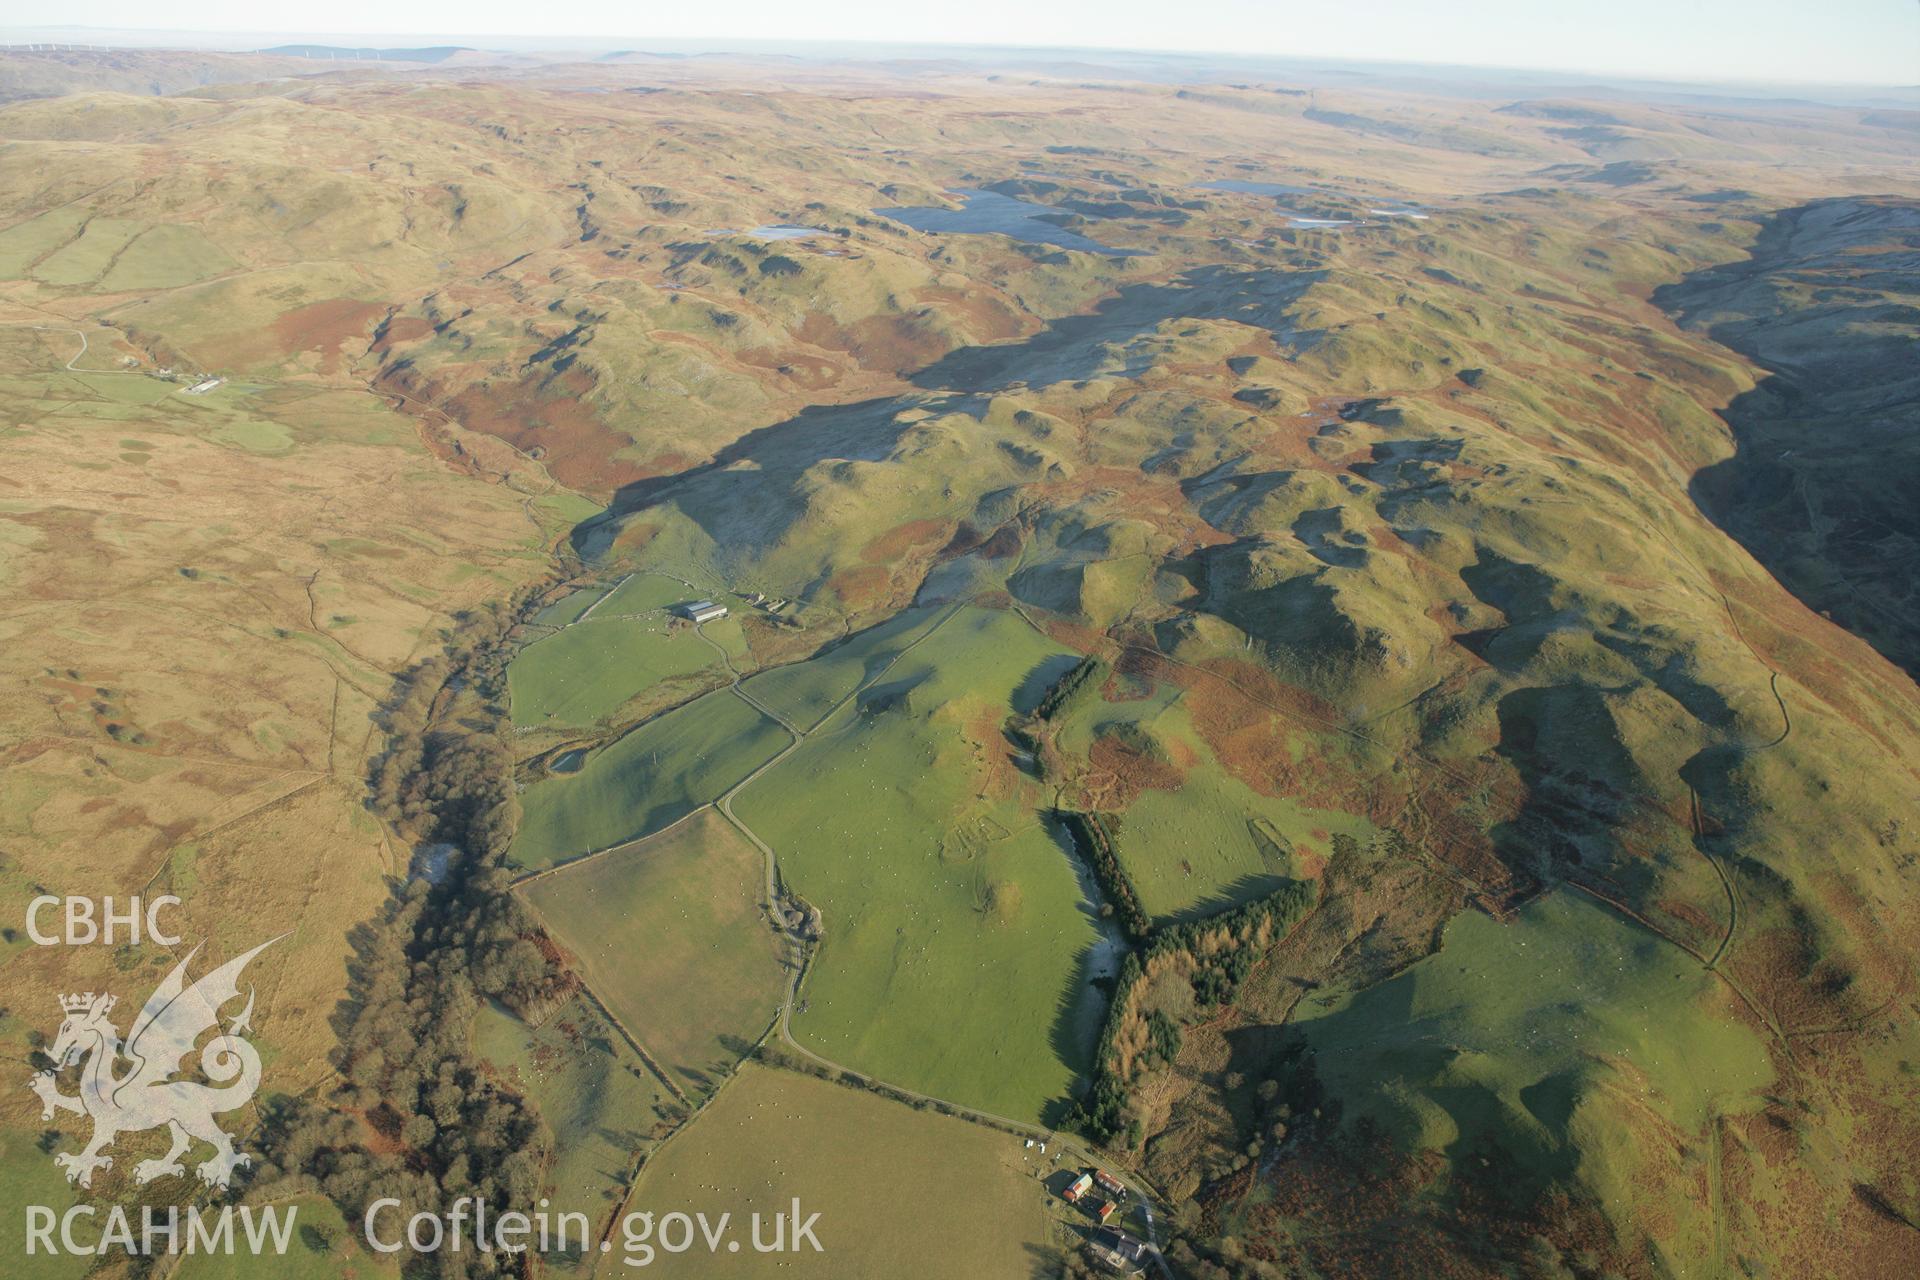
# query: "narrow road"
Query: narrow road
1039,1133
799,959
70,365
1726,881
797,967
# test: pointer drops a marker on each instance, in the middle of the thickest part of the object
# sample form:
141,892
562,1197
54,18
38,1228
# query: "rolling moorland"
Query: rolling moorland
1345,653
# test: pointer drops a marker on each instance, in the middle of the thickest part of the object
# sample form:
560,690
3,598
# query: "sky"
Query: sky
1815,41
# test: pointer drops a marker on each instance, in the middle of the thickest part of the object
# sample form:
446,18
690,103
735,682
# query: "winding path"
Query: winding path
799,960
71,364
797,968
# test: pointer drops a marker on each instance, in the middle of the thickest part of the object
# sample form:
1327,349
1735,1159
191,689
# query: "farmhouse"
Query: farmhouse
1116,1251
701,610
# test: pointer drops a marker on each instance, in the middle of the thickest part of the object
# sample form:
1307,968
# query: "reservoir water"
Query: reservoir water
990,213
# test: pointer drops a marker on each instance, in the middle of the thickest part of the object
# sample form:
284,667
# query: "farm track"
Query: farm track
1726,882
1709,963
1717,1208
1753,1007
725,803
1786,730
798,965
797,969
71,365
1716,1198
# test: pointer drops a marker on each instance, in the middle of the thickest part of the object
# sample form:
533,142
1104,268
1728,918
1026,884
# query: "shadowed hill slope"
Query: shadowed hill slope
1382,529
1823,487
1414,542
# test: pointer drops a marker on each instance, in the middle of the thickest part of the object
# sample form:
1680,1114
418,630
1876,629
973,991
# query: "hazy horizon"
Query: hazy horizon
1868,43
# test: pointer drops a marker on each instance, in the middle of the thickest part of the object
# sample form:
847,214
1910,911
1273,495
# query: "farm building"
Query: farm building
1079,1188
1110,1184
1118,1252
702,610
1106,1210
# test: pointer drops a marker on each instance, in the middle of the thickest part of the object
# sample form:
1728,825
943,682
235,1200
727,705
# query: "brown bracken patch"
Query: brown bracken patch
861,587
1132,771
902,539
553,415
325,327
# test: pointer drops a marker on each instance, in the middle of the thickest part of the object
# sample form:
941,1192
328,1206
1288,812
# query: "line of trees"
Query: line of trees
1094,836
1087,674
417,1117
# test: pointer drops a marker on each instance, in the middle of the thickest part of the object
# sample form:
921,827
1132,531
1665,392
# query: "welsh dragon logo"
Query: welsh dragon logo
143,1095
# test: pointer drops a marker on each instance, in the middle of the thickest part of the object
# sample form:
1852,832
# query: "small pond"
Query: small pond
1280,190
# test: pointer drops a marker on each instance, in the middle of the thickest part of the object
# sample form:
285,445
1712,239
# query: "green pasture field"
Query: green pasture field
671,934
562,511
25,242
661,771
1214,843
29,1176
644,592
590,669
955,926
1560,1033
900,1192
86,258
119,395
805,691
1199,851
568,608
601,1102
728,633
256,435
165,257
324,1246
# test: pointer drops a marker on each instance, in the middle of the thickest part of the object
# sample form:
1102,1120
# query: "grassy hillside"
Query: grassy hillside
1390,538
1376,480
952,913
646,779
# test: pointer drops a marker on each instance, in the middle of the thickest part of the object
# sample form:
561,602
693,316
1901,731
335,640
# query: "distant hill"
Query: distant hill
324,52
53,72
